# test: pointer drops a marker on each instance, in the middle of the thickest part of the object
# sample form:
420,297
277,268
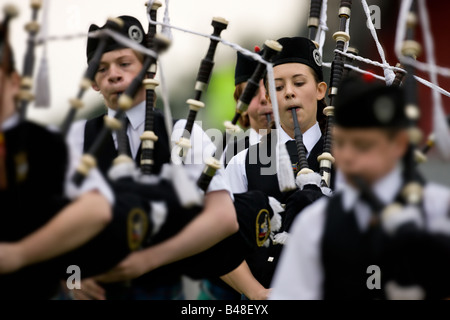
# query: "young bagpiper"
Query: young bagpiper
257,118
255,121
300,92
371,240
119,65
39,220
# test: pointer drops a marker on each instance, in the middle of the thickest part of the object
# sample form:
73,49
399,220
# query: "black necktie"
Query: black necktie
292,149
123,142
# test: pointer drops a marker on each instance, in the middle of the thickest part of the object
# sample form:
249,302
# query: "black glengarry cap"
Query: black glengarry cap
132,29
300,50
363,104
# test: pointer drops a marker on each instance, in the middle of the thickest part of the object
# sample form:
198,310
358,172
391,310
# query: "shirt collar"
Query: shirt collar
11,122
385,189
254,137
134,114
310,137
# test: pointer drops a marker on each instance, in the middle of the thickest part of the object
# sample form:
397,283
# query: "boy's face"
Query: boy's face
117,70
10,90
366,152
296,87
258,108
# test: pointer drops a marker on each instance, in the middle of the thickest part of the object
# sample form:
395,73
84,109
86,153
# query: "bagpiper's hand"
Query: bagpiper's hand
131,267
90,290
11,258
395,216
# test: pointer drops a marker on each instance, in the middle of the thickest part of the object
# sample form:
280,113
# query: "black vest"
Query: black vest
264,260
347,252
259,156
234,148
108,153
412,257
166,274
36,161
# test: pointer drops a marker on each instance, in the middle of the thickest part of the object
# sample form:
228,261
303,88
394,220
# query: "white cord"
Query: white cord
400,35
123,40
166,30
441,129
286,180
401,27
388,73
323,28
377,64
347,31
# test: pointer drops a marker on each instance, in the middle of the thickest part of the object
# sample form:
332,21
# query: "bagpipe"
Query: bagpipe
26,96
337,68
203,77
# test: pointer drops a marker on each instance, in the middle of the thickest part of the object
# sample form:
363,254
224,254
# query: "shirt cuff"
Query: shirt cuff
93,182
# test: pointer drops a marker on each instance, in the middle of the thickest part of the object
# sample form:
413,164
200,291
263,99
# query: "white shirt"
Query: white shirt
235,171
135,128
10,122
299,274
253,137
202,148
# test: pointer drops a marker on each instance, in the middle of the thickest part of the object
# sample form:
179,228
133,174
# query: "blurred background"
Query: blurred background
251,22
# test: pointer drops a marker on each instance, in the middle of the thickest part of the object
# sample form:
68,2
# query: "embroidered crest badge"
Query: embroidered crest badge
262,227
137,225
